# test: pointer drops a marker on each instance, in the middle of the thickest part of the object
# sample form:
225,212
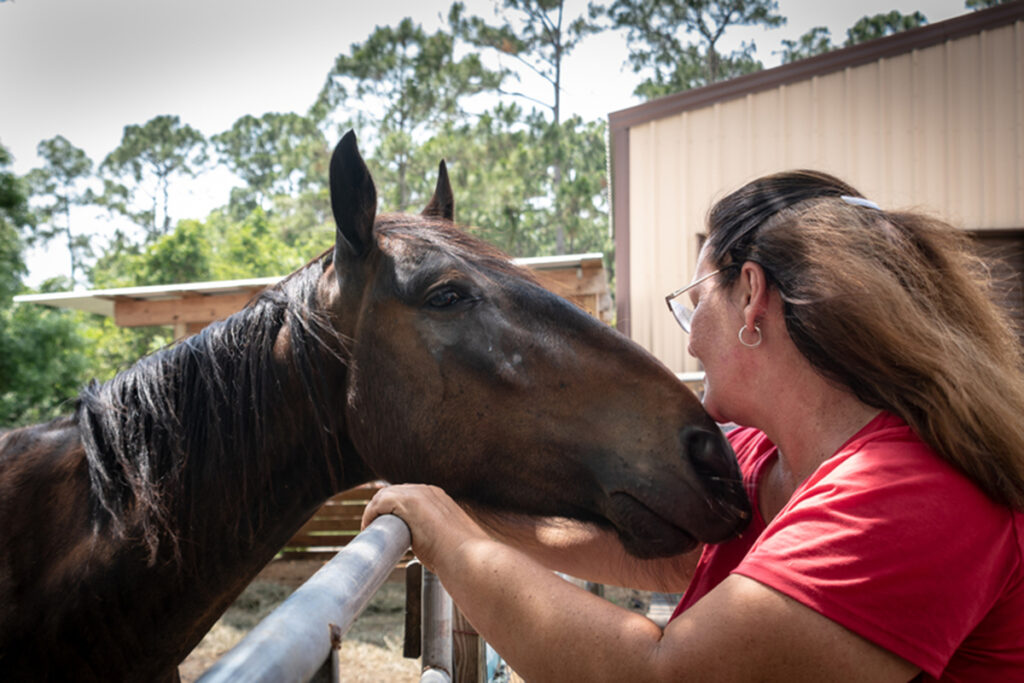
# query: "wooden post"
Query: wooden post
413,646
469,651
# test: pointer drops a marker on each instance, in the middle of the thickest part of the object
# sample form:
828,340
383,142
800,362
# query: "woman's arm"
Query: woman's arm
587,551
550,630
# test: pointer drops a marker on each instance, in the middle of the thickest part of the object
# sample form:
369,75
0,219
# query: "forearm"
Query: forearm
546,628
589,552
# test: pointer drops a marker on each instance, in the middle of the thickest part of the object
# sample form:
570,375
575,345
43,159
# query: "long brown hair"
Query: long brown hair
897,307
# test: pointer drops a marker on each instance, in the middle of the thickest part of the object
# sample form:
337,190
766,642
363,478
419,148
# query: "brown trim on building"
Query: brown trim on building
619,122
620,217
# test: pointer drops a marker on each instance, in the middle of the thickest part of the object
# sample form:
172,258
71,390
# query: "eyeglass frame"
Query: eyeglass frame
684,314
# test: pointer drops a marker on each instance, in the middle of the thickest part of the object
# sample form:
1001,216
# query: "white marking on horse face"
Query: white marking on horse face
509,368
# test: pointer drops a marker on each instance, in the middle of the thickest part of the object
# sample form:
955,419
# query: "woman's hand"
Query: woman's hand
438,525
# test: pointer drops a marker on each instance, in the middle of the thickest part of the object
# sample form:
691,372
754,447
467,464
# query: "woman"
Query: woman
881,393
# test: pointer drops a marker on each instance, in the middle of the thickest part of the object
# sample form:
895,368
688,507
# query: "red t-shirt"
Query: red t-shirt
896,545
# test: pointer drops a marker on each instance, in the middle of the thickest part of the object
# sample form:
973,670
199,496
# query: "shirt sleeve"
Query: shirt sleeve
895,545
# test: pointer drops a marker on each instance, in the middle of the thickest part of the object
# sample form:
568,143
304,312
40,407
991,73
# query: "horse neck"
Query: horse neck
231,438
251,441
284,453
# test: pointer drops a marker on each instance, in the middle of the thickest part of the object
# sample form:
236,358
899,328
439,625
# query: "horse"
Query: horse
410,352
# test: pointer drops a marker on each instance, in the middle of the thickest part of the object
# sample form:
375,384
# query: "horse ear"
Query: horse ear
442,204
353,199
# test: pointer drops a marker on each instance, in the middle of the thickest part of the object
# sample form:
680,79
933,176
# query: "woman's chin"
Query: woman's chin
712,408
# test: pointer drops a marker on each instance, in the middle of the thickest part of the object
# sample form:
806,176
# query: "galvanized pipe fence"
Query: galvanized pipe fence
299,640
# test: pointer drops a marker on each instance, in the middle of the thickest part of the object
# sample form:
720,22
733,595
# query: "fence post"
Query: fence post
437,630
293,641
470,653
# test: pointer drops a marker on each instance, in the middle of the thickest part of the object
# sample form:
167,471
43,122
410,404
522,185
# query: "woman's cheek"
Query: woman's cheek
695,346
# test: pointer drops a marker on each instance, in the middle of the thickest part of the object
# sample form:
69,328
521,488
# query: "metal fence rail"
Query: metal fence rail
292,642
437,631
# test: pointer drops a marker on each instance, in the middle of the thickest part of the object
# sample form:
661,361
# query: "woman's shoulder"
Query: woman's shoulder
888,450
887,466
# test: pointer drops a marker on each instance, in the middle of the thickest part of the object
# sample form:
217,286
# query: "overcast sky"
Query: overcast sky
86,68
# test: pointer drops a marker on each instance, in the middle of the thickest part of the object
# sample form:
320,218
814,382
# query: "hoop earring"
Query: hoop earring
760,338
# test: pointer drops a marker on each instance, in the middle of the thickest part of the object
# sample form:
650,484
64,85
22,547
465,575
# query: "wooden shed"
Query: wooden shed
931,119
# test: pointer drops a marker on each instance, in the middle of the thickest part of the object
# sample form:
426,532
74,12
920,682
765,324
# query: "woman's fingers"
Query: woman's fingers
435,520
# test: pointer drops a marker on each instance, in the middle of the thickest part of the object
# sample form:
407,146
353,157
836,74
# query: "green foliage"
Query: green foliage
14,214
582,209
881,25
654,32
984,4
12,267
180,256
497,177
305,222
399,86
499,171
149,155
534,32
110,349
273,154
691,71
818,40
57,187
250,248
42,364
218,248
815,42
537,34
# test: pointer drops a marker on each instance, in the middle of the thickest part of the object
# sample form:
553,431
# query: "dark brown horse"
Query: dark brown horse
410,352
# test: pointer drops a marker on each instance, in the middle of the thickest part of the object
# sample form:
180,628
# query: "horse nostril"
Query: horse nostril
709,453
713,462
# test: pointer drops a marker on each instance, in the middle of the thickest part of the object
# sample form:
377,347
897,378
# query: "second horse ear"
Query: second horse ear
353,199
442,204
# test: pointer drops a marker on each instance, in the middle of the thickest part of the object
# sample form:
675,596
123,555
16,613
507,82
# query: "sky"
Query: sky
84,69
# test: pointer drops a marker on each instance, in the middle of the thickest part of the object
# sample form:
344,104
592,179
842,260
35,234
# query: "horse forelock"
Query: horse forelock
423,233
195,416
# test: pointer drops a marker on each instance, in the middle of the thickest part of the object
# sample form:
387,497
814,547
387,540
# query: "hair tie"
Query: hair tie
860,201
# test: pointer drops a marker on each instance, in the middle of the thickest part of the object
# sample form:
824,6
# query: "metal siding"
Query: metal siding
642,235
1001,116
938,129
931,152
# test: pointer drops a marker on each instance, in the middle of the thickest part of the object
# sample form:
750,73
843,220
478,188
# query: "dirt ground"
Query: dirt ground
371,651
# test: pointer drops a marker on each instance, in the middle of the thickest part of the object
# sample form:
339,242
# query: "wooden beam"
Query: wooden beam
192,309
570,282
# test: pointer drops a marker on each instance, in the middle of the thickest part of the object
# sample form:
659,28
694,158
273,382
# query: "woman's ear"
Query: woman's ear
753,290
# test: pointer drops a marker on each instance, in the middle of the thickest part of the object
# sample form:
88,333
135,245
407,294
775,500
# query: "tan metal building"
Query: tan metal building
931,119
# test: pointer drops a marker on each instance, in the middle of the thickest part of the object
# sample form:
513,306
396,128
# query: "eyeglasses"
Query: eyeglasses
683,313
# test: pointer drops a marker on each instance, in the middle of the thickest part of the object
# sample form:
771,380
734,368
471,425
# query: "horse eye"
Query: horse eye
443,298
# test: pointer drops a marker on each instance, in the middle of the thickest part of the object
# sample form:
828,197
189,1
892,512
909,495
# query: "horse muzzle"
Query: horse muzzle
703,501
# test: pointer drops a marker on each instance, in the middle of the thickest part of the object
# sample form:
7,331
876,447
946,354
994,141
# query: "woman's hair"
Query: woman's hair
896,306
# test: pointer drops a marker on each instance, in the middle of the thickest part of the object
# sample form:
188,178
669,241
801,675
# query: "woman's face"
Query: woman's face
713,341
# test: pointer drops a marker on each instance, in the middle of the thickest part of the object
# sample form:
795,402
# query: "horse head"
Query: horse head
465,373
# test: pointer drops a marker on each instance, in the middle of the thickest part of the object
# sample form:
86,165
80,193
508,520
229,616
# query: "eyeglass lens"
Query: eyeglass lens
682,313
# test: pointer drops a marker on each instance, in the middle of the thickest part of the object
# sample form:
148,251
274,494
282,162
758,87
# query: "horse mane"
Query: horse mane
194,416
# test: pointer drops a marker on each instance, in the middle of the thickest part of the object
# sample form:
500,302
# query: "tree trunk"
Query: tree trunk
557,176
